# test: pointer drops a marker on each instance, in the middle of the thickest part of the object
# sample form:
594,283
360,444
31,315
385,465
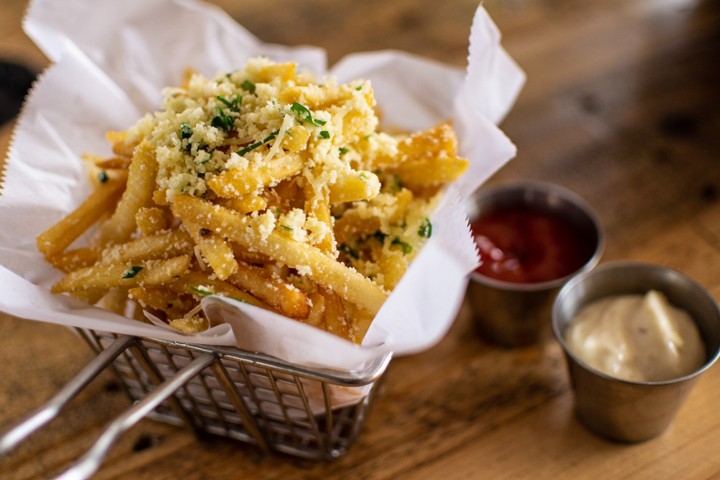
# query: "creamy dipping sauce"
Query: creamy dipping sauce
636,337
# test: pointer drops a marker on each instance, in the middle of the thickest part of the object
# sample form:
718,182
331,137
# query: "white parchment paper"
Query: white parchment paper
107,72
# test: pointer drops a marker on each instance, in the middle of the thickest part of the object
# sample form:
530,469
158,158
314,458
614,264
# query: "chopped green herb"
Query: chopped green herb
286,228
406,247
102,176
248,86
343,151
425,230
202,291
132,271
324,134
222,120
255,145
348,250
233,104
186,131
302,112
359,87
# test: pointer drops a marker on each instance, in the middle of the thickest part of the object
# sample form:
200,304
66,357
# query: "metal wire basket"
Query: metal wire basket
250,397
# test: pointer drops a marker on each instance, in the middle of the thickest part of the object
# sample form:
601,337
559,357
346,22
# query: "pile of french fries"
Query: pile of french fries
261,185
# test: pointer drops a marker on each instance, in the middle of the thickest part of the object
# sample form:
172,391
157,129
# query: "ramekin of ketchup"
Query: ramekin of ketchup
532,237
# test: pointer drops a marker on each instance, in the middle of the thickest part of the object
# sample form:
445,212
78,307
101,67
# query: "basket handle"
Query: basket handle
52,407
89,463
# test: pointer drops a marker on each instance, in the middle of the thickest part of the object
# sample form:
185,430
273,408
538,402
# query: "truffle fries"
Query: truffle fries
262,185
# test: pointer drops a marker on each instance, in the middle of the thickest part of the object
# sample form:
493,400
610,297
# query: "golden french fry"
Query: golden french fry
241,181
393,264
164,245
58,237
200,284
120,145
140,186
334,315
101,276
73,259
308,260
430,171
317,311
151,220
354,186
317,205
163,299
249,203
276,292
215,250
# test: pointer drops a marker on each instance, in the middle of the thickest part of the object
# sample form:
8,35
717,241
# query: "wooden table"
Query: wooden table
621,106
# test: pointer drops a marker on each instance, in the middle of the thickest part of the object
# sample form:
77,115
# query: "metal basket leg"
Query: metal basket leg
91,461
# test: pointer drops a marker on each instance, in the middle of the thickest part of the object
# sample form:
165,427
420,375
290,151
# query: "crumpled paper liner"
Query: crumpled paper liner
106,73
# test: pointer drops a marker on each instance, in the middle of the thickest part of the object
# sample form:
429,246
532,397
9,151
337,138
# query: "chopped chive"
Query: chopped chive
233,104
186,131
132,271
200,290
222,120
324,134
102,176
255,145
404,246
248,86
304,114
343,151
425,230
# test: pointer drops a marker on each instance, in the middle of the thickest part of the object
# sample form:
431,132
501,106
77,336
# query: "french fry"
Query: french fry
271,289
120,145
200,285
163,299
151,220
346,282
239,181
354,186
140,186
58,237
162,246
317,204
334,315
73,259
249,203
215,250
430,171
100,276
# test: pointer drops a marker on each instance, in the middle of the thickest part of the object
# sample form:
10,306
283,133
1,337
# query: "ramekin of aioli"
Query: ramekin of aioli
532,237
636,337
641,338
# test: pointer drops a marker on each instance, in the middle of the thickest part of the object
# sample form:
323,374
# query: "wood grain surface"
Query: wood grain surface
621,105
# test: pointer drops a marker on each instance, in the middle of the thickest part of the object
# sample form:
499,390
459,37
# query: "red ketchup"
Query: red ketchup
524,245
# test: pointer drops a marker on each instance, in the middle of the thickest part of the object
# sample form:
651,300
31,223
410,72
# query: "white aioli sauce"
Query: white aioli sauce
637,338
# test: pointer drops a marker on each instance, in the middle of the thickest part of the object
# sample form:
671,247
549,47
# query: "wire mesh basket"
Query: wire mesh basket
272,404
